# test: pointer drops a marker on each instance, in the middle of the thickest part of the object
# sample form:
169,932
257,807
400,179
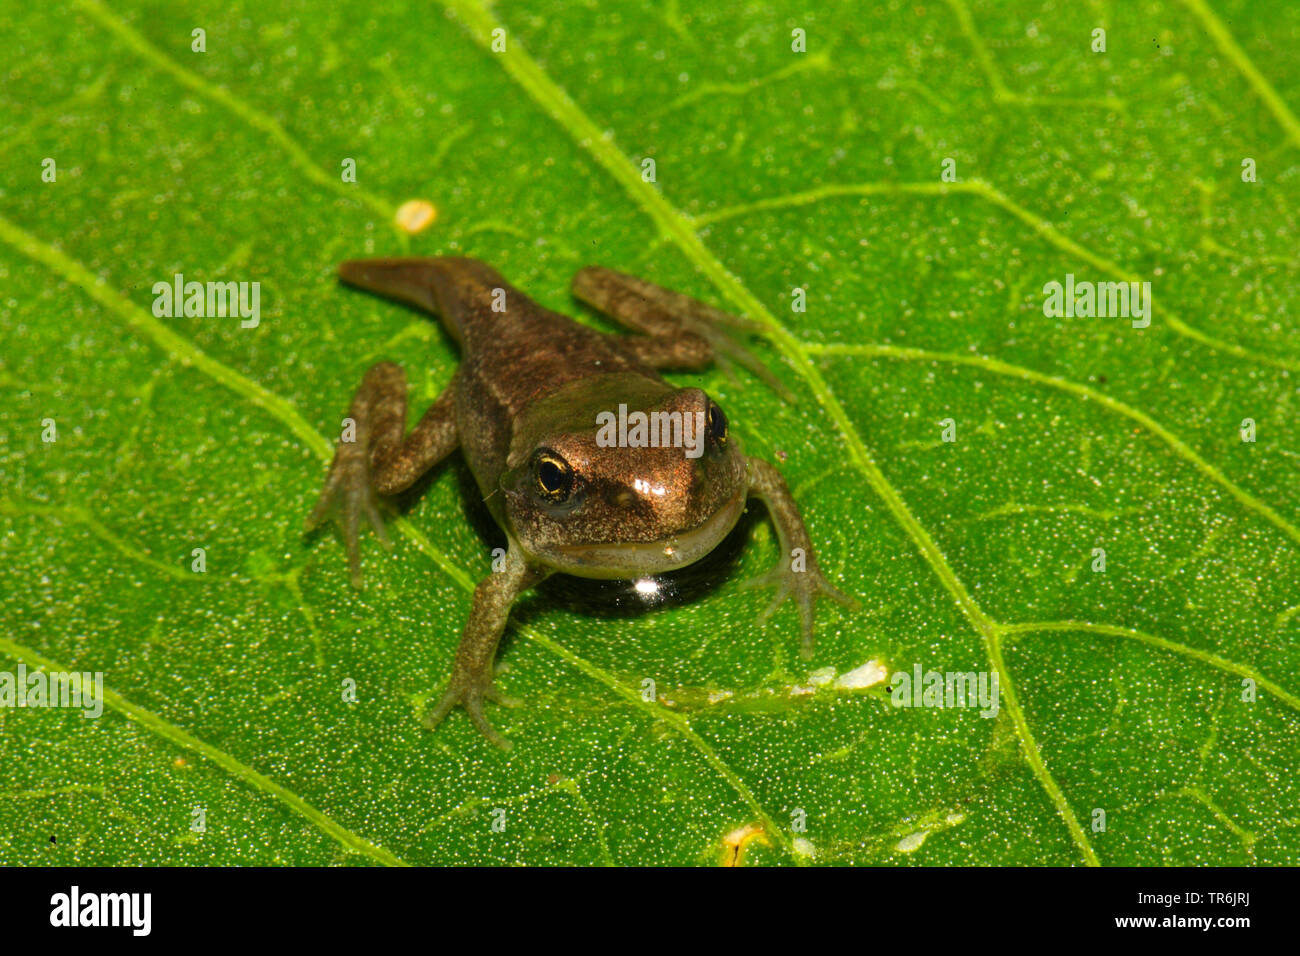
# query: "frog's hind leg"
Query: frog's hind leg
681,332
372,458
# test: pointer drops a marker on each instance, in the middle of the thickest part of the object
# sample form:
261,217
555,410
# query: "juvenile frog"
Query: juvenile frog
531,408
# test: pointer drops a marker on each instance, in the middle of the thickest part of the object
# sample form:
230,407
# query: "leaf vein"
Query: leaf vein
1223,38
241,771
990,193
223,97
1206,657
998,367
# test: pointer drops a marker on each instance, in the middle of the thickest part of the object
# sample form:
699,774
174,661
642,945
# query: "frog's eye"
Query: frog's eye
717,423
554,476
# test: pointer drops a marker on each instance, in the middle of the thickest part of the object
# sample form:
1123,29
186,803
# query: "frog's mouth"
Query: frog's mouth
633,559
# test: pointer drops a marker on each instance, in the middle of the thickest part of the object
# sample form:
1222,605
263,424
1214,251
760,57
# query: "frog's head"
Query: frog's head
623,491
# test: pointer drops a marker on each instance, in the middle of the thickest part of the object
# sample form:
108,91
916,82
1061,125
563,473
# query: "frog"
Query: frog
525,407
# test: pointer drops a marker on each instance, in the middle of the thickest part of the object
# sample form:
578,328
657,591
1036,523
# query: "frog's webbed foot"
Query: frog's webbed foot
805,587
372,459
798,574
682,332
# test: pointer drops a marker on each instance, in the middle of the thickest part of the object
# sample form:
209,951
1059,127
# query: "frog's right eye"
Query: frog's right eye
554,476
717,423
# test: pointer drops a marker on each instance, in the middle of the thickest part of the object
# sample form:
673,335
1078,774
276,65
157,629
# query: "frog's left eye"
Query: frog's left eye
554,476
717,423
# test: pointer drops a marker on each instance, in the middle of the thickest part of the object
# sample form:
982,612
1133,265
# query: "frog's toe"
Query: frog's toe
474,708
727,350
470,694
370,505
778,578
824,587
505,700
766,579
783,592
359,501
325,505
348,496
436,715
351,526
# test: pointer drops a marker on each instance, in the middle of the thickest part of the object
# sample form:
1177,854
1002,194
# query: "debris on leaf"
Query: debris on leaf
734,843
867,675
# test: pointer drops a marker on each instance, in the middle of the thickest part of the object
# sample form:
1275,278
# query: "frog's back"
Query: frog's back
524,352
514,352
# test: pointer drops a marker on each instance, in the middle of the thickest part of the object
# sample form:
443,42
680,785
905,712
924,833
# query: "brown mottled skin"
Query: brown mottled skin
522,408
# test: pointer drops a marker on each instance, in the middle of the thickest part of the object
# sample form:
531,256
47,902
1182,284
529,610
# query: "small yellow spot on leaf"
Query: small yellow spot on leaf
416,215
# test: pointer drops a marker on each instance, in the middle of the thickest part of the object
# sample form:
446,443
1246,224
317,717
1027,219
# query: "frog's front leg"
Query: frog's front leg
681,332
376,460
797,573
471,676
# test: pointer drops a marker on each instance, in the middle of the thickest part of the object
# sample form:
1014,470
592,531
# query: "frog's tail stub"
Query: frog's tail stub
441,285
406,280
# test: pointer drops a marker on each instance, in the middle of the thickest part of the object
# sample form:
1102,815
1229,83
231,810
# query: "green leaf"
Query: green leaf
1125,691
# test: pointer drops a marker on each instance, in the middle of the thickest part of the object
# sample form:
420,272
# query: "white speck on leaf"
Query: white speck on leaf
822,676
866,675
912,841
